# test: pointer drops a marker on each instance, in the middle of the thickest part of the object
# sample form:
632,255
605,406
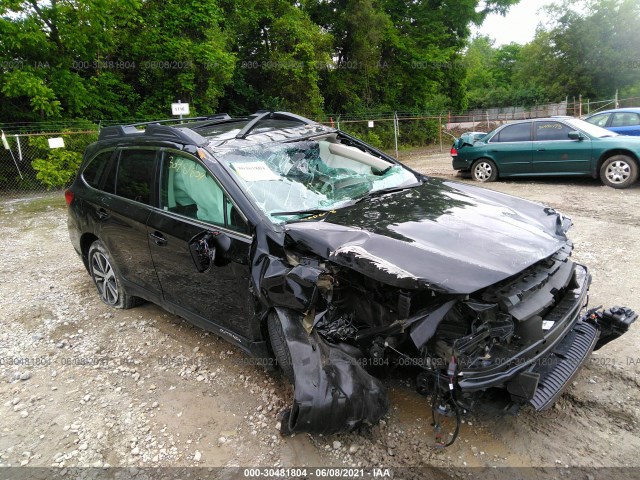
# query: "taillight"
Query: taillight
68,196
454,152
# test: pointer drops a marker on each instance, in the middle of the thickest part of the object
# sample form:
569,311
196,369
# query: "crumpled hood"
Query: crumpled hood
448,236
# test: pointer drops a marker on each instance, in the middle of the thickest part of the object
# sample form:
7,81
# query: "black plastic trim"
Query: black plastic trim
566,360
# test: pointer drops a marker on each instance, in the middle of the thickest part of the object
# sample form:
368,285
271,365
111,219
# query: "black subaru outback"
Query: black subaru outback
299,243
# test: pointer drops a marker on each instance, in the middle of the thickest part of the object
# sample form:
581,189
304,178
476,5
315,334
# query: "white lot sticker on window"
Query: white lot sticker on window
254,171
547,324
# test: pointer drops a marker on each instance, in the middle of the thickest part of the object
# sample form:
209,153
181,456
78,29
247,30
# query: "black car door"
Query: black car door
194,211
121,208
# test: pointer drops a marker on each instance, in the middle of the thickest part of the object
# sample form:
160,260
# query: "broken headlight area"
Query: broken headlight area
527,335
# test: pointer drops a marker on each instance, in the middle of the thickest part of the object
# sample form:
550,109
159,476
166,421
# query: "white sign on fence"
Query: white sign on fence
179,109
56,142
4,142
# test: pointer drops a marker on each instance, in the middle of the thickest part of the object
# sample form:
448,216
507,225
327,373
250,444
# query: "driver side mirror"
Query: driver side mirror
208,249
575,135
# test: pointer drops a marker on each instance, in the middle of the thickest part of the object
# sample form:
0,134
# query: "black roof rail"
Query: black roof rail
155,129
217,116
183,135
265,114
117,131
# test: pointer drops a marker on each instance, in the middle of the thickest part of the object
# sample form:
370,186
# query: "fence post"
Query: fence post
395,131
19,148
6,145
580,106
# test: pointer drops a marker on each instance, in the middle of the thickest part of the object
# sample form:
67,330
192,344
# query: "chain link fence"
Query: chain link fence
40,157
38,162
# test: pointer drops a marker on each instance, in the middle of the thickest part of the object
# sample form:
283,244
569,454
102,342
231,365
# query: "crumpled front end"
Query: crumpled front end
353,291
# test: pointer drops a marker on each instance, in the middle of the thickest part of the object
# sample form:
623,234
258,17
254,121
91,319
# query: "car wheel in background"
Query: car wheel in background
619,171
107,280
484,170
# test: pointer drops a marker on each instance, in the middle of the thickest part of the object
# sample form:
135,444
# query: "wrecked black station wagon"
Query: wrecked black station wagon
296,241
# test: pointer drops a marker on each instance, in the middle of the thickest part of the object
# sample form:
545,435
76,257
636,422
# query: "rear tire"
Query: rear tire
619,171
484,170
107,279
279,346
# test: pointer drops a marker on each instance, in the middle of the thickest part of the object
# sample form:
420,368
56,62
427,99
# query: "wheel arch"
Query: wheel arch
610,153
86,240
489,158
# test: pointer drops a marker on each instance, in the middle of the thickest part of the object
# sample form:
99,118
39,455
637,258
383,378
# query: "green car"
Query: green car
549,146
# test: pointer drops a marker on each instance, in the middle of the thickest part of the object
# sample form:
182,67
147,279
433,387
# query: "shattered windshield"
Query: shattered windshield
291,180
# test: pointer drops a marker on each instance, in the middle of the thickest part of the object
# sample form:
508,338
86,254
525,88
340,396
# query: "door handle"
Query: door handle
158,238
102,214
542,150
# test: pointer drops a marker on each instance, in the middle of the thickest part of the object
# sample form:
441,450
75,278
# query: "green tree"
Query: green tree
590,52
397,54
96,58
178,50
280,52
46,49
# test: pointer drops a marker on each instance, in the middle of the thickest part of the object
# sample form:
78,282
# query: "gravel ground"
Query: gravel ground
85,385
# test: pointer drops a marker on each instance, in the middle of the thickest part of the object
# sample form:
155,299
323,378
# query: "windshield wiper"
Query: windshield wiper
312,211
384,191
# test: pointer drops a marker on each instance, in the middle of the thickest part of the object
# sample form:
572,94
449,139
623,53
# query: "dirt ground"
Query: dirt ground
85,385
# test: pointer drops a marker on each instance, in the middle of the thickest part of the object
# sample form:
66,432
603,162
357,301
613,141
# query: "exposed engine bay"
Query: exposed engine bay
460,345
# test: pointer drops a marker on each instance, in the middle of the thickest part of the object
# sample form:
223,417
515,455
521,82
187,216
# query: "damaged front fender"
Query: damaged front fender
333,393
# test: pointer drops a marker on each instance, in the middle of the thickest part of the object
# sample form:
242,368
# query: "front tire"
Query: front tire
107,280
279,346
619,171
484,170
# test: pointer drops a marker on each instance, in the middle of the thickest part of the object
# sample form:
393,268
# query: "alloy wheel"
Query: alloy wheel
105,278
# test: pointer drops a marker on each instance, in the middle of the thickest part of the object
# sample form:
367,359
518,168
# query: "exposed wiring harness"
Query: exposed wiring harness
444,404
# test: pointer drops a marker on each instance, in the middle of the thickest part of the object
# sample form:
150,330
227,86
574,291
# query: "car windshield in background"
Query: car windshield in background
291,180
591,129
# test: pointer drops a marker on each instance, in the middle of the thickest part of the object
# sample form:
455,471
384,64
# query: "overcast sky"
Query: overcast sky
518,26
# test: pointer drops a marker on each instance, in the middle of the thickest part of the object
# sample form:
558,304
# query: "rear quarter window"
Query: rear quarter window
95,169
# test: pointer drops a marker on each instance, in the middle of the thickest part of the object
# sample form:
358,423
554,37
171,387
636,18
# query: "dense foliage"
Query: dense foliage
99,59
589,49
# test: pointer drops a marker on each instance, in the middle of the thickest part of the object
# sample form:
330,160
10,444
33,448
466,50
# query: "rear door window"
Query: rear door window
625,119
520,132
132,176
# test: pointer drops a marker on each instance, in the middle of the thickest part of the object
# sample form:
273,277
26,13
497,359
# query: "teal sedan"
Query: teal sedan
558,146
